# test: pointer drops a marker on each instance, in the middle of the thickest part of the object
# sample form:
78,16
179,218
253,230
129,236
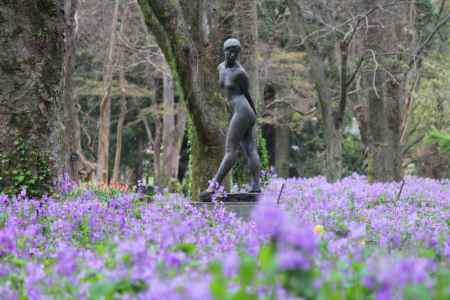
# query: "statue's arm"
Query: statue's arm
221,68
244,85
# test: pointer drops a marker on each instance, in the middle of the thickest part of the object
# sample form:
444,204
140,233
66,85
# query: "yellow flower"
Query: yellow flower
319,229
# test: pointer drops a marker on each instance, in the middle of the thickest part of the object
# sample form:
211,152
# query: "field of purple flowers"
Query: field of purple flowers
348,240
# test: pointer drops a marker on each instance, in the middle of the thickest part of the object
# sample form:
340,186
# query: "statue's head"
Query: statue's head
232,48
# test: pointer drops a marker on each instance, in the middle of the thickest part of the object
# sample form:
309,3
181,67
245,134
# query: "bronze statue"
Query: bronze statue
234,86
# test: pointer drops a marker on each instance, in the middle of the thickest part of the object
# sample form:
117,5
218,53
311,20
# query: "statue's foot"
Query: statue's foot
205,195
255,191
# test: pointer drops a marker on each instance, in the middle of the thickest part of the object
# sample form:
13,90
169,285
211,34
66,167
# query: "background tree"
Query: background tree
31,59
72,139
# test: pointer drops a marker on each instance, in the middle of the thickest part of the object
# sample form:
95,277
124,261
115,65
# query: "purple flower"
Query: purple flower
268,218
357,231
66,259
299,236
231,264
7,241
292,259
384,292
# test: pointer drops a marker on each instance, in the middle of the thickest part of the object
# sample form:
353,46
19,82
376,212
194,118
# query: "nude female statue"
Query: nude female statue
234,86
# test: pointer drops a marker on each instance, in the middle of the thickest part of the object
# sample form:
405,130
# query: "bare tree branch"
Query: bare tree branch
281,101
422,47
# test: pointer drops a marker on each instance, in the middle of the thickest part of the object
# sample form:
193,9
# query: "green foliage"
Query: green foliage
307,149
48,6
263,152
102,191
108,290
25,167
440,138
247,278
353,156
187,248
432,110
424,15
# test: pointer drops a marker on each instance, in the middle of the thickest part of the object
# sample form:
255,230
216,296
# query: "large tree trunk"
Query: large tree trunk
31,59
191,34
387,40
174,124
72,139
105,104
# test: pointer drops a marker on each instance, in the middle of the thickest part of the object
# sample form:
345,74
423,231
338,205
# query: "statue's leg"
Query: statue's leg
249,146
236,131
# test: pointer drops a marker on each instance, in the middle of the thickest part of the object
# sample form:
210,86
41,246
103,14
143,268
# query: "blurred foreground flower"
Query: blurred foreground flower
319,229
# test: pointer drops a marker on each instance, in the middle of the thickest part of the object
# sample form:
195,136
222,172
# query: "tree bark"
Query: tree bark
388,40
247,32
105,104
174,125
157,137
31,60
282,151
123,102
72,139
191,34
120,123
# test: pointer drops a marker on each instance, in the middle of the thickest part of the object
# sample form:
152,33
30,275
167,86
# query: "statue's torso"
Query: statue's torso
228,81
231,88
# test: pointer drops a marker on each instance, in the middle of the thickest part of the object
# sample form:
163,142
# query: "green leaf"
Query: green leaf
247,270
19,178
243,295
266,257
215,268
413,292
188,248
101,290
218,289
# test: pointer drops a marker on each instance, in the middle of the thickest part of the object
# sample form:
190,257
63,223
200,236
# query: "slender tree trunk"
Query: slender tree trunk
123,102
333,158
71,120
282,134
105,104
119,133
174,124
139,167
157,137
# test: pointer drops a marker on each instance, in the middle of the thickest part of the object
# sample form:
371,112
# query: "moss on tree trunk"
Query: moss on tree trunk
31,35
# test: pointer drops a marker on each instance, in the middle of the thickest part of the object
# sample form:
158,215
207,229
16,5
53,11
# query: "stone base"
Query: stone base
241,204
241,209
231,197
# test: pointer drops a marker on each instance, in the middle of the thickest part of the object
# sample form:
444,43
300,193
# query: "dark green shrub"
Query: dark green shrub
26,167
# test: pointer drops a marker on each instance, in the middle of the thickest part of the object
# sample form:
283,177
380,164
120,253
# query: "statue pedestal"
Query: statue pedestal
241,204
230,197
